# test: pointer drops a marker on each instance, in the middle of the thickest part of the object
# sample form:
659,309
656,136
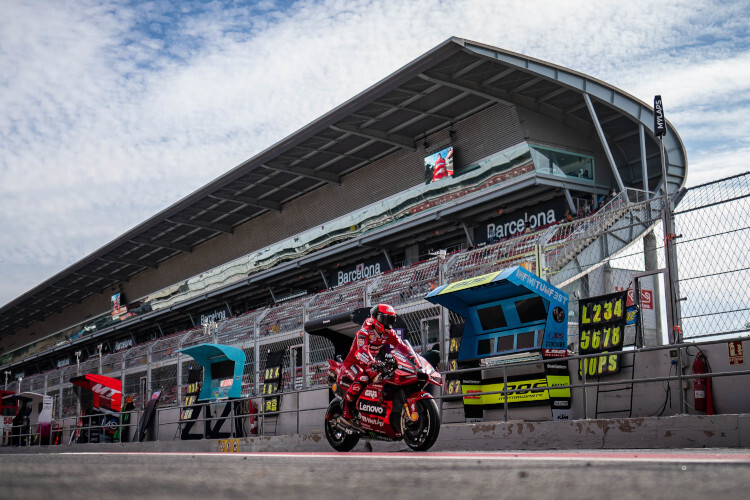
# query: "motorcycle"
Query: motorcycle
393,406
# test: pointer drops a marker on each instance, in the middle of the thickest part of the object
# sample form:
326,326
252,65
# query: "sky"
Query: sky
111,111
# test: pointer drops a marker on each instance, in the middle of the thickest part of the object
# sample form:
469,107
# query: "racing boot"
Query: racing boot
347,418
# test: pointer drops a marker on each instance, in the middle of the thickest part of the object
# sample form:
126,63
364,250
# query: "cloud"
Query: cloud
110,112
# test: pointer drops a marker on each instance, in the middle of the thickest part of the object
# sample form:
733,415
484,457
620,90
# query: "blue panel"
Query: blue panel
512,302
220,385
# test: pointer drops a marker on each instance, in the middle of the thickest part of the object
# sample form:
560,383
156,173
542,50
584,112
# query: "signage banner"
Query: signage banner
506,225
529,390
660,123
215,316
360,271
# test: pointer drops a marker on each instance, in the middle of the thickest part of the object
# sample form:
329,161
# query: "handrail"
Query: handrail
28,436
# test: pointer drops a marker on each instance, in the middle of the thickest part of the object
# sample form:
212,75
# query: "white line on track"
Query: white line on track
566,457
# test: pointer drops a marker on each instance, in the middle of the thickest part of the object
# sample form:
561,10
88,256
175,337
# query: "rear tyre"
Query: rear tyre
422,434
339,440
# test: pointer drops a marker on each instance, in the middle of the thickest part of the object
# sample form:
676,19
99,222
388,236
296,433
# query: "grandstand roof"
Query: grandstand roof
451,82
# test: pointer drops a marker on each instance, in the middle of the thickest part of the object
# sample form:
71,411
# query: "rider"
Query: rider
361,364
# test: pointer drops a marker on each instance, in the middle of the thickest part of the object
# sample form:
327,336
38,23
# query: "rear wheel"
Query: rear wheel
421,434
338,439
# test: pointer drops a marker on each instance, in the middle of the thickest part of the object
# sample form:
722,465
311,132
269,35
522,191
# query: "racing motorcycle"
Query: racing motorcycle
393,406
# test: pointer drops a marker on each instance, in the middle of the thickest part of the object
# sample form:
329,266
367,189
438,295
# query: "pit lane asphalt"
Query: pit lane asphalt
712,474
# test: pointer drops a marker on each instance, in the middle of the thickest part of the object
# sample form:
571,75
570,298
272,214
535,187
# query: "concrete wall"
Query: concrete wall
685,431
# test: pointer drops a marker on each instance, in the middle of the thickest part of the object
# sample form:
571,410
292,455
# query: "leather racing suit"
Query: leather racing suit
358,364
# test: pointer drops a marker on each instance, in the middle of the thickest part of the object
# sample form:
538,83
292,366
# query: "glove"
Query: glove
378,366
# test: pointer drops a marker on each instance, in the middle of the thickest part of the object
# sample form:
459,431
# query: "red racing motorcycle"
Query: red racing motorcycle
393,406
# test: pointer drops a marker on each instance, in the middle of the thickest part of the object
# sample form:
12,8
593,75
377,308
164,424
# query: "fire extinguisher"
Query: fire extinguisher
702,385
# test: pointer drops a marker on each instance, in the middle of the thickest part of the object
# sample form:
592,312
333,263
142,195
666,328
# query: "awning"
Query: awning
217,382
107,391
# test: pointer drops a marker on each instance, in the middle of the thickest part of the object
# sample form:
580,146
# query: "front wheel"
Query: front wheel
338,439
421,434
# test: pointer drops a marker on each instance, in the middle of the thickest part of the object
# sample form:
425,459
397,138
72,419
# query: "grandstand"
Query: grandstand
343,214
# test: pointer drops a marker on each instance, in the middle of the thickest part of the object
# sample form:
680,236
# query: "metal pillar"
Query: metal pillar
605,145
644,167
675,333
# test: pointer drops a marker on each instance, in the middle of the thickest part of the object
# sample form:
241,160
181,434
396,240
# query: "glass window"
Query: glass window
563,163
525,340
505,343
492,317
484,347
531,309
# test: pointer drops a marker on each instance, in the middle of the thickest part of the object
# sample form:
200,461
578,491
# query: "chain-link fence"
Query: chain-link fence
712,228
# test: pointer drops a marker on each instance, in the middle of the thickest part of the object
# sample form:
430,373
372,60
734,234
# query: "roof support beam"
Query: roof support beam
466,85
106,276
430,112
150,264
469,239
305,172
88,289
468,68
552,94
325,151
163,244
571,203
53,298
526,85
213,226
247,200
605,145
644,166
394,139
625,135
498,76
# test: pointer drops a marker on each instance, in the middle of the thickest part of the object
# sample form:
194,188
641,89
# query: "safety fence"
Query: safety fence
616,248
712,228
246,416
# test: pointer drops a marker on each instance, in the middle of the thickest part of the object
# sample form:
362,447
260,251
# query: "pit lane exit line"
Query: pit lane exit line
409,455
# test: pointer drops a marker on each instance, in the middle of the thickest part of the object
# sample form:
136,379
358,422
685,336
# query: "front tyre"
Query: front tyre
338,439
422,434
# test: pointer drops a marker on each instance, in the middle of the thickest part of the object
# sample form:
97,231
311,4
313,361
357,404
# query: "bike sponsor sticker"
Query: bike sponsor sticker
371,408
371,421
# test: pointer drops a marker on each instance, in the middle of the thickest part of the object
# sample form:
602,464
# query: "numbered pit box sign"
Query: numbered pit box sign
602,329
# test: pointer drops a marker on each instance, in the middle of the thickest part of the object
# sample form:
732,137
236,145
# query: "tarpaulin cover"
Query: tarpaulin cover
107,391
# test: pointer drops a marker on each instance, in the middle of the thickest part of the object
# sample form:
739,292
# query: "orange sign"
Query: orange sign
736,354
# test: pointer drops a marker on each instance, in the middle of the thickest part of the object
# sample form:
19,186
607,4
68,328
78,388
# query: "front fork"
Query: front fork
410,404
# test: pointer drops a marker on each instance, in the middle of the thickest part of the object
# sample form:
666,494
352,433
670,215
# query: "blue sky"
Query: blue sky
112,111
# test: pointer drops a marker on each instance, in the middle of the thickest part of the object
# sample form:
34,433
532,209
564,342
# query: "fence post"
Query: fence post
305,351
148,370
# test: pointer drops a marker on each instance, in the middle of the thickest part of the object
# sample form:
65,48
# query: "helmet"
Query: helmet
383,316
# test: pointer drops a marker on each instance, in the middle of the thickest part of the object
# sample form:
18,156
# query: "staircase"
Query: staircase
573,249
